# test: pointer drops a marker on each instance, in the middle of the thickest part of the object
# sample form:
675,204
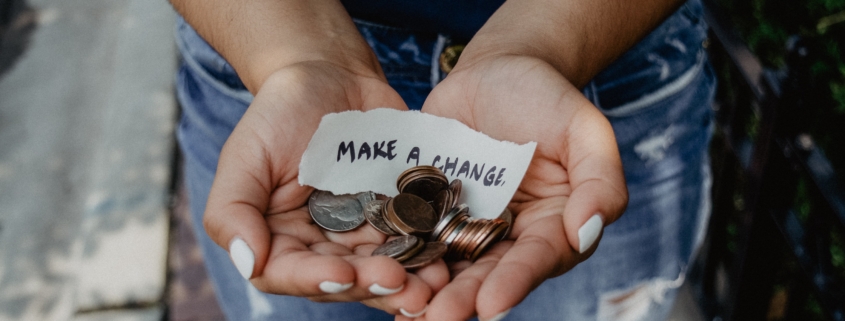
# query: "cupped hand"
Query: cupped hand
574,185
256,207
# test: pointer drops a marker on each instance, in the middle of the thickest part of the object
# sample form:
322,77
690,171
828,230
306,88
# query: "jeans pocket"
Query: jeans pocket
662,63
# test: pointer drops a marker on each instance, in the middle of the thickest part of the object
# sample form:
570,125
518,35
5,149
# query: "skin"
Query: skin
516,80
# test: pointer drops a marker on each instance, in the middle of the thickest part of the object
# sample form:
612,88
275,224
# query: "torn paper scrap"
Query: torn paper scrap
358,151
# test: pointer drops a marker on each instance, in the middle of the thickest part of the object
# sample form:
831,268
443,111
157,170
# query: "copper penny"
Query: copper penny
488,242
455,187
425,187
411,214
442,203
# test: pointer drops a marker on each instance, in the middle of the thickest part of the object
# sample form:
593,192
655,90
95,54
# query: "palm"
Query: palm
522,99
256,188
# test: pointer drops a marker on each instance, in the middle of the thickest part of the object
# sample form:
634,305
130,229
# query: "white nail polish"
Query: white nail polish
413,315
380,290
589,232
242,256
334,287
500,316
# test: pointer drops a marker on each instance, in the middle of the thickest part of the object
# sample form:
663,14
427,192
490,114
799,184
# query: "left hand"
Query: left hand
575,175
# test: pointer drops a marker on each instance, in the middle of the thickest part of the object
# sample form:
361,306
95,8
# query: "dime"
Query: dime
445,220
506,216
431,252
365,198
338,213
453,229
416,249
373,214
411,214
399,246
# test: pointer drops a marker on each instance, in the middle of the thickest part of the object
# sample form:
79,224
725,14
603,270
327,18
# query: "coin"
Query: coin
488,242
373,214
484,237
338,213
506,216
425,187
446,220
455,187
365,197
422,181
399,246
416,249
431,252
411,214
442,203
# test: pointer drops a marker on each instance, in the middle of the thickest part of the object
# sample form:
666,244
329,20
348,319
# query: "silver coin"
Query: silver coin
429,254
399,246
338,213
446,219
506,216
373,214
365,198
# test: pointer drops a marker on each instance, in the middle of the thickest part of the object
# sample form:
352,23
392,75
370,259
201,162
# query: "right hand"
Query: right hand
256,197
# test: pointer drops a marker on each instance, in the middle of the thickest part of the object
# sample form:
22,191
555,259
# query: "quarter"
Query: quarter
338,213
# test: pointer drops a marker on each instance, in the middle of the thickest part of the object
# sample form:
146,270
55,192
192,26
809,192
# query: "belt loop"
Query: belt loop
436,75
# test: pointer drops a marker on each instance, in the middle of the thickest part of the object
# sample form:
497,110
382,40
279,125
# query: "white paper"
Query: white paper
366,151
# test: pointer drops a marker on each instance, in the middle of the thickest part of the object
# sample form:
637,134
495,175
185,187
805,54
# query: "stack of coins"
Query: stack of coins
466,238
426,208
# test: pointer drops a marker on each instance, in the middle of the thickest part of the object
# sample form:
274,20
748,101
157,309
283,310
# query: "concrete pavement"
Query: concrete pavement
86,150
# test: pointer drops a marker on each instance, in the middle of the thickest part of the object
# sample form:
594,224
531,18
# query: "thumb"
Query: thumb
599,194
239,197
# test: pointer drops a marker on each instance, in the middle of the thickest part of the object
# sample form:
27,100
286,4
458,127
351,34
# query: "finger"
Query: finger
540,252
327,271
411,302
599,195
296,269
234,212
457,300
435,275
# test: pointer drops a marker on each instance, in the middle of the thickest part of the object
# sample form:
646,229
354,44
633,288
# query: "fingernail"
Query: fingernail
413,315
334,287
500,316
589,232
242,256
380,290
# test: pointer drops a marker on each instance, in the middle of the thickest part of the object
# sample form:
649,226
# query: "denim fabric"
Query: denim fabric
657,97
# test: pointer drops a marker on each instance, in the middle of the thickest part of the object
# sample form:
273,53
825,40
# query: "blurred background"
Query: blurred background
93,219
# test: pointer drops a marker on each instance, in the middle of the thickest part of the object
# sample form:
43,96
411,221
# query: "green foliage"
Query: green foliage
766,26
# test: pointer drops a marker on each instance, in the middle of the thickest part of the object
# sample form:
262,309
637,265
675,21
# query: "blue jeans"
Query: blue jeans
657,97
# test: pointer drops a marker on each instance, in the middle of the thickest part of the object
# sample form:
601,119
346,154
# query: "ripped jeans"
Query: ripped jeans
657,96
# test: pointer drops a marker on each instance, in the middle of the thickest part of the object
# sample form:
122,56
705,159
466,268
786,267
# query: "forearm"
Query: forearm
578,37
261,36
